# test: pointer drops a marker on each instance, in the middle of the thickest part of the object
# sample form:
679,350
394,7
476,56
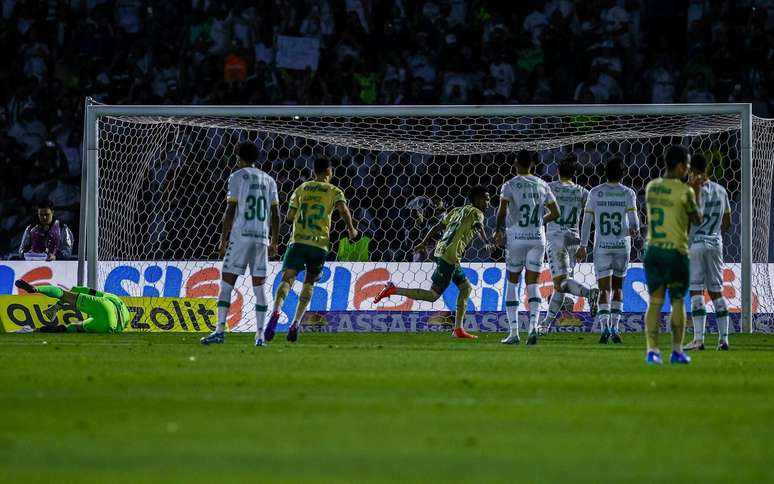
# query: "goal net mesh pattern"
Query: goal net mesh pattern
162,180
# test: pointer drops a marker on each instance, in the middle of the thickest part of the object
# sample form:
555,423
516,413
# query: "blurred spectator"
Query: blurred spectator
48,239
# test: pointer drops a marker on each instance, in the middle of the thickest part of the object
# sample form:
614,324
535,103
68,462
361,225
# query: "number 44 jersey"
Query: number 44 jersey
571,199
314,202
254,192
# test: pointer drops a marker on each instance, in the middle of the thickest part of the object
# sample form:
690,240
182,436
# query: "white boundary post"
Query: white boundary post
82,233
746,222
95,111
91,194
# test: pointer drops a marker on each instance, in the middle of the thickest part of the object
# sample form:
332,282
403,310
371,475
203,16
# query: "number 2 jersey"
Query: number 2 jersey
571,199
669,202
713,204
314,202
527,197
614,208
254,192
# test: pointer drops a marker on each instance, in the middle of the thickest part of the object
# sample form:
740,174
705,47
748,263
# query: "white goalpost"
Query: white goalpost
153,191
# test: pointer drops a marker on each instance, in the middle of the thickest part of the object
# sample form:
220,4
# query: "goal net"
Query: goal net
160,191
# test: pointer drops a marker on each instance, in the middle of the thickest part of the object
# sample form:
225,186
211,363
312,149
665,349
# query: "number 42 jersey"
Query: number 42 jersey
314,202
254,192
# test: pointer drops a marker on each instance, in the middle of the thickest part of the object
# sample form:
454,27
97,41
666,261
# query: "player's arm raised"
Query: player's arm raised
228,223
502,211
341,206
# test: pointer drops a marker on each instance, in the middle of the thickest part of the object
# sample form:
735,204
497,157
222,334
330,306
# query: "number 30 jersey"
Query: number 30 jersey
314,202
571,199
611,205
527,197
254,192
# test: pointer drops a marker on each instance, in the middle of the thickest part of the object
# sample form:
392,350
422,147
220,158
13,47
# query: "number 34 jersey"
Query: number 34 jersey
610,203
254,192
527,197
314,202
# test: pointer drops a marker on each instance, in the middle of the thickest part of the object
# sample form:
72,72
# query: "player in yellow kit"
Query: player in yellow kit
310,210
459,227
672,207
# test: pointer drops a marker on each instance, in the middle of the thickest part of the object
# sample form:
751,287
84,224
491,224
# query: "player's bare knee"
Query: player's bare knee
558,281
531,277
513,277
258,281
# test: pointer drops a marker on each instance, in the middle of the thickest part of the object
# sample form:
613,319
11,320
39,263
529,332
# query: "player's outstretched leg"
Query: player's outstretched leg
288,276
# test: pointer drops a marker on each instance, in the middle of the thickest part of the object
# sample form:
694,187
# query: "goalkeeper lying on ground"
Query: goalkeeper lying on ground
106,313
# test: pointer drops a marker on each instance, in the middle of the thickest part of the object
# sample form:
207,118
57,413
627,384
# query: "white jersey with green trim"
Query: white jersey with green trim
612,205
527,197
254,192
571,199
713,204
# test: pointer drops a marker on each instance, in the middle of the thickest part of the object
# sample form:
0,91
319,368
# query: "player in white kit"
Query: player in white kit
563,238
250,236
520,219
612,207
706,254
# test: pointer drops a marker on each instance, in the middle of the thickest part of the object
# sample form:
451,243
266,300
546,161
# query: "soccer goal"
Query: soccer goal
154,191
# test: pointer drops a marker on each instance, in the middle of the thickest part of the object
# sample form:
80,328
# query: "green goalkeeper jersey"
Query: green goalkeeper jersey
461,224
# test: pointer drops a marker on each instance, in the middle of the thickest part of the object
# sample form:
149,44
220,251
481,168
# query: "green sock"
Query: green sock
50,291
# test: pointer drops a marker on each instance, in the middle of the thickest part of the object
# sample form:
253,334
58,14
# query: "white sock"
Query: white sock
555,305
603,315
721,315
533,299
512,306
260,309
575,288
615,314
699,317
224,302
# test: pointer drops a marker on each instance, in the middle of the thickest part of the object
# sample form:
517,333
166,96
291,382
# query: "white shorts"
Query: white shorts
243,253
706,266
610,263
561,255
524,253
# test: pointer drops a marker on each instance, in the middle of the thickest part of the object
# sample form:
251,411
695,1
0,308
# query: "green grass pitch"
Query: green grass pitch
380,408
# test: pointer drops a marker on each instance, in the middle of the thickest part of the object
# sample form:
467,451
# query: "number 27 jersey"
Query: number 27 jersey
254,192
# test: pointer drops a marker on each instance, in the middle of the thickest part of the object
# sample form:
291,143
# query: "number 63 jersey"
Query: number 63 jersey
612,205
314,202
254,192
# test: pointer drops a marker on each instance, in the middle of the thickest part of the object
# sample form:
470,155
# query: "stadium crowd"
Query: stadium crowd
56,52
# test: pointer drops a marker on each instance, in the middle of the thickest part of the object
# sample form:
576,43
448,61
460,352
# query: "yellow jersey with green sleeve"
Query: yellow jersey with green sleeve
314,202
461,225
669,202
